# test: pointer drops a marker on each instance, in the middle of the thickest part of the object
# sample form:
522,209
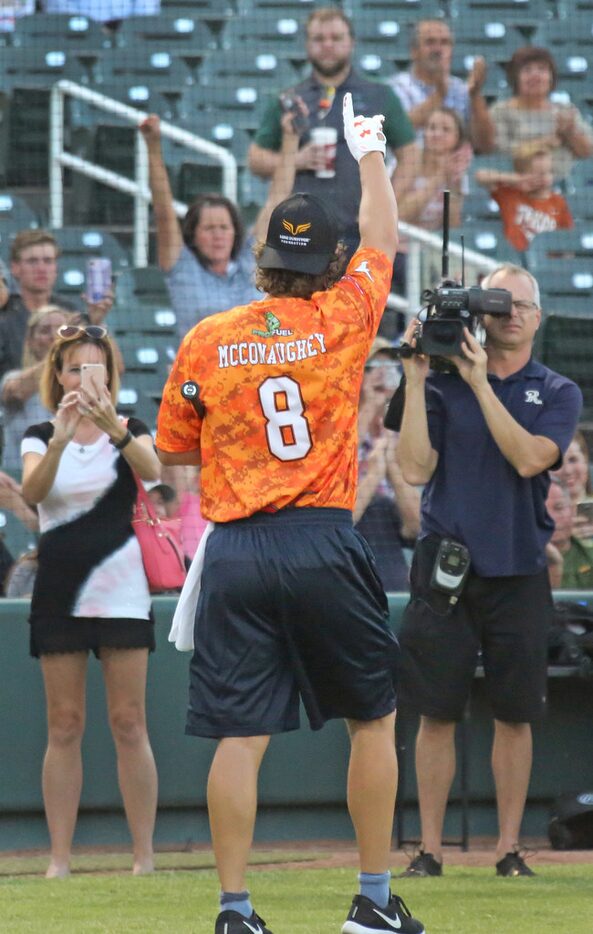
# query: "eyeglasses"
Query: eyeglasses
523,306
381,365
69,331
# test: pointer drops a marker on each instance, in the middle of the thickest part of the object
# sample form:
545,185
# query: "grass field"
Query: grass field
100,897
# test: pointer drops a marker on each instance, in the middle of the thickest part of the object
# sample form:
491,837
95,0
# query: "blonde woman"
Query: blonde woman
90,592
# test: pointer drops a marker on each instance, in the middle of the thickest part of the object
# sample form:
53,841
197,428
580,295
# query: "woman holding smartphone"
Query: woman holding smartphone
78,469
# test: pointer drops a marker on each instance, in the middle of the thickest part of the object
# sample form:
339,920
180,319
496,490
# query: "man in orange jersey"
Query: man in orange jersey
290,604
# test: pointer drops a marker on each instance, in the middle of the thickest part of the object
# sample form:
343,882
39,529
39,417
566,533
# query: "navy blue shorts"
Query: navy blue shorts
506,618
290,608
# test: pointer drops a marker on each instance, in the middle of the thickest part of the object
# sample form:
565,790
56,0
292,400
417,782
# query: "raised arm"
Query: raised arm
168,231
283,178
377,216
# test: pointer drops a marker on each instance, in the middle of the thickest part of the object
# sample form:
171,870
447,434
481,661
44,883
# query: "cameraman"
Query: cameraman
482,441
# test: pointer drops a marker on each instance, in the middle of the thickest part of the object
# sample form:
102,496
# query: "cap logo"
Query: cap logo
295,230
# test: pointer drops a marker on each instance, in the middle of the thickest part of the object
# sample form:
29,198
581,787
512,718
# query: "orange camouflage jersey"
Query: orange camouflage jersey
279,380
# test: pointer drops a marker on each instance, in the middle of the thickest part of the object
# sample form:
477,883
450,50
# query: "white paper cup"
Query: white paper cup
327,137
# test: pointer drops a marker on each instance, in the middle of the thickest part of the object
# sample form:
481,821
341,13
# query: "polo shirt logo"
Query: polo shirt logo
532,395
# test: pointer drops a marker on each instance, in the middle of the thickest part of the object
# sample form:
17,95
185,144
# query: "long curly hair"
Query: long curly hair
299,284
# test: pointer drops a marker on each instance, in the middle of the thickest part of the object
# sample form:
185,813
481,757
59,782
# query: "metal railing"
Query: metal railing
138,188
424,249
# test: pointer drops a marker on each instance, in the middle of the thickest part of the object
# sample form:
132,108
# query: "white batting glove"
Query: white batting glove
363,134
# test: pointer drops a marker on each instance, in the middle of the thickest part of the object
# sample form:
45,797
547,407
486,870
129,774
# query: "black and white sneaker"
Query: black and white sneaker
365,917
233,922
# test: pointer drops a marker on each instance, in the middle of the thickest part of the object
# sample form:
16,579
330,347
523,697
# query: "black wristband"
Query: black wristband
120,445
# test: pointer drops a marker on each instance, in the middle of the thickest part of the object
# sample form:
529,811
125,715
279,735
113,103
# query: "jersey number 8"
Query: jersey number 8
287,429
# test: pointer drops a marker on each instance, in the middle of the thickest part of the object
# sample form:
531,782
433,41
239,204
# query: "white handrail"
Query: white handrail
138,189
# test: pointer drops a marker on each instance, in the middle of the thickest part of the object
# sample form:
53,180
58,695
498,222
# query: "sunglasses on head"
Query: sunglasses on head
69,331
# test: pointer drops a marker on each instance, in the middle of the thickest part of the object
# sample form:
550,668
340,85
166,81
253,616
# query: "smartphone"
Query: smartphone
98,278
290,105
585,509
92,378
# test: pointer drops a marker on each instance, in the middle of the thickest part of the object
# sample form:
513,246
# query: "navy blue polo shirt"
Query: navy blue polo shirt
475,495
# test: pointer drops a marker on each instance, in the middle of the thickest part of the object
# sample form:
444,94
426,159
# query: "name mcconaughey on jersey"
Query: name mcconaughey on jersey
254,353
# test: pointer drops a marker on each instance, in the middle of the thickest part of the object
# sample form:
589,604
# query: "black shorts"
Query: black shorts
507,618
290,607
84,634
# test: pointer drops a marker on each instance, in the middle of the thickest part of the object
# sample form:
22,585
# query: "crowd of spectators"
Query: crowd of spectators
436,122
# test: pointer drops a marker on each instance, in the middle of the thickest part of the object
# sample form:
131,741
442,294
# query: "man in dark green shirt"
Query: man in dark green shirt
330,46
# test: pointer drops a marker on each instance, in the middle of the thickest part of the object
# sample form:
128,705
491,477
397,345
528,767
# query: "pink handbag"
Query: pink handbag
160,544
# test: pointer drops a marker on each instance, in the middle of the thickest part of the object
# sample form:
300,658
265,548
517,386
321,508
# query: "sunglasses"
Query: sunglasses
69,331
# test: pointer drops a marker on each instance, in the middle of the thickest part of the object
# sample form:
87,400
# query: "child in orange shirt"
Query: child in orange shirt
528,204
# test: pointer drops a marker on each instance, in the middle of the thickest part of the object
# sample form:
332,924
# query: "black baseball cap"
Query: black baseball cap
302,236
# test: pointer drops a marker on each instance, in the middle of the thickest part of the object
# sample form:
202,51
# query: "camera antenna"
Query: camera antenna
445,254
462,261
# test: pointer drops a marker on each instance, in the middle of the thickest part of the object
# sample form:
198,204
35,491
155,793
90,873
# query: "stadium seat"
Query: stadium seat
580,179
496,160
150,355
142,319
571,247
567,347
569,41
486,237
144,285
581,203
401,9
277,31
16,210
84,242
479,206
26,75
525,14
232,67
240,104
562,284
161,70
185,37
486,34
73,33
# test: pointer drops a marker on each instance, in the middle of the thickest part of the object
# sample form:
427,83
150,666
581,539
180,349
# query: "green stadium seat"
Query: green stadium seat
526,14
232,67
487,34
186,37
406,9
558,285
486,237
26,75
573,248
144,285
17,211
279,31
569,40
479,206
240,104
142,319
75,34
567,348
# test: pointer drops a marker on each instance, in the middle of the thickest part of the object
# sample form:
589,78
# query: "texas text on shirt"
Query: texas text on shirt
250,361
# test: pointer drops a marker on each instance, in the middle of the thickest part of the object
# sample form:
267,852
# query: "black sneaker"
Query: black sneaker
233,922
513,864
365,917
423,865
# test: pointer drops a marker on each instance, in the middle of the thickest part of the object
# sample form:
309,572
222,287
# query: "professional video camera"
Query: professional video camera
451,307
